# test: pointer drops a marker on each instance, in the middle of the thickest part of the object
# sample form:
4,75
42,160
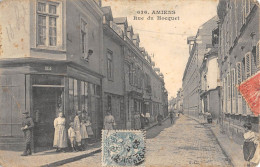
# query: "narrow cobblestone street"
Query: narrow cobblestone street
185,143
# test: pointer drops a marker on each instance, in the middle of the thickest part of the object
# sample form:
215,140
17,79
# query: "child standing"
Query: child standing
72,136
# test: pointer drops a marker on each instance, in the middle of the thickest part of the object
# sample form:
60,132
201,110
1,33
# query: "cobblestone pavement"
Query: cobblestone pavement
186,143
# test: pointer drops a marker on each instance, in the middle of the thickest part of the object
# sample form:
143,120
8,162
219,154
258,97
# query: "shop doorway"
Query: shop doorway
47,102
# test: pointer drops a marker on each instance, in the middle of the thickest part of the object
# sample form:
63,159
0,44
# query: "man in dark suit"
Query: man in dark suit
27,127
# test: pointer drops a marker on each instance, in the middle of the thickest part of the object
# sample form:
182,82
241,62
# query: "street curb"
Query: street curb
76,158
230,160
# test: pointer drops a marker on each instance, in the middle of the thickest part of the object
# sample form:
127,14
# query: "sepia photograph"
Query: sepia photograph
154,83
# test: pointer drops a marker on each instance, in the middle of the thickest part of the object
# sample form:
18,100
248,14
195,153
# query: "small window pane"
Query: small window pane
52,9
52,31
41,30
41,7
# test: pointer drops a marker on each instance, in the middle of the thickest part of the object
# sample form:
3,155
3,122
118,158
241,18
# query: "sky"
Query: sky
167,40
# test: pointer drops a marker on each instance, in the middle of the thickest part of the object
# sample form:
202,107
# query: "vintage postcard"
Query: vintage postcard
86,83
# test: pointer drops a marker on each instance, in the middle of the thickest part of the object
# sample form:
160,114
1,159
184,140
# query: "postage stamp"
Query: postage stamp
123,147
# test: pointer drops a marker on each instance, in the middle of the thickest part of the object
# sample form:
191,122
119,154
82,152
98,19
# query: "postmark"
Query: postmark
123,147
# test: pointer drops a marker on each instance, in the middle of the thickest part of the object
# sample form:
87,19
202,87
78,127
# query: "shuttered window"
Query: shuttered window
257,56
233,83
243,11
228,87
239,74
225,95
248,65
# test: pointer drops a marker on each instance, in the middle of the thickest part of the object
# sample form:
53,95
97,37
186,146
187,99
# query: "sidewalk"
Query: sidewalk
45,158
232,150
50,157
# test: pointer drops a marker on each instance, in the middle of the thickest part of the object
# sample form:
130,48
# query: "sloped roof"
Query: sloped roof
120,20
136,36
107,12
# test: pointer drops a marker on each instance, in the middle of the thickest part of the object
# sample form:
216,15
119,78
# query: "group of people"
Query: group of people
79,132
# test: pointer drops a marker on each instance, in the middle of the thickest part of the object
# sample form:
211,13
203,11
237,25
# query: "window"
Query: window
239,73
109,65
257,56
247,7
47,24
109,103
233,74
131,74
228,87
83,36
225,94
248,65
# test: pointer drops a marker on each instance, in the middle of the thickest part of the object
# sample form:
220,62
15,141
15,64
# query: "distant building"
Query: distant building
209,79
179,101
113,65
238,59
191,77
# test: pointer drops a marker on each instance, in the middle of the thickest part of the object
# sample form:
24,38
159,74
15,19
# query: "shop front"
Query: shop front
44,89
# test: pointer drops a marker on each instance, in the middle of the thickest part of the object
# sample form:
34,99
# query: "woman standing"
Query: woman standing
60,135
83,130
77,128
109,121
249,146
89,128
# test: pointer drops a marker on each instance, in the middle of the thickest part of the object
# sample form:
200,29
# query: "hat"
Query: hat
25,112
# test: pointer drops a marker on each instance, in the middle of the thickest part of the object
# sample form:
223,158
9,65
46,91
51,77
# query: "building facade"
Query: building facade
179,101
238,60
70,56
209,79
191,77
50,67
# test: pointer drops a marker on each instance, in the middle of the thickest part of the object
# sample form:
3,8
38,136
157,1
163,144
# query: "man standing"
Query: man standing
171,117
27,126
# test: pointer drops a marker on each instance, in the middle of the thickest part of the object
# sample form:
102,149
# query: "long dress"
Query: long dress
60,135
89,128
77,129
109,121
249,145
83,129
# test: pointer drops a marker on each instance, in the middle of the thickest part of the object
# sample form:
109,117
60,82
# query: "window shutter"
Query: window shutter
239,73
257,56
248,65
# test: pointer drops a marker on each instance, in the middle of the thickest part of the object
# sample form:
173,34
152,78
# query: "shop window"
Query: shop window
71,95
86,96
76,108
109,103
47,17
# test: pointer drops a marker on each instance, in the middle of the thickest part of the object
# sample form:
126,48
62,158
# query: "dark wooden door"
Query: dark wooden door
45,101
